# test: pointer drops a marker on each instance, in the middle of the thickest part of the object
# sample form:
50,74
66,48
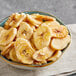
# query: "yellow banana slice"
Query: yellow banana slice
31,20
9,52
59,31
24,51
1,46
14,20
42,37
7,36
25,31
32,44
12,55
7,49
55,56
51,23
60,44
43,54
43,17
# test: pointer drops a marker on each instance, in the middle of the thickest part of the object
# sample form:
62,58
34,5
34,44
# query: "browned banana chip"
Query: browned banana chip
43,17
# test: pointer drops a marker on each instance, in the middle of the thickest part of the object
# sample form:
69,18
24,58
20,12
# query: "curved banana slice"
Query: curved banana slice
31,20
59,31
32,43
7,49
12,55
25,31
43,17
43,54
24,51
51,23
60,44
14,20
55,56
42,37
7,36
1,46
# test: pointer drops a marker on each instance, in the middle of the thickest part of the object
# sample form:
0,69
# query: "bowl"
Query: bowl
26,66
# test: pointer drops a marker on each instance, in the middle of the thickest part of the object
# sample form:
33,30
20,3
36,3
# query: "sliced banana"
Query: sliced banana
12,55
2,46
31,20
43,17
32,43
42,37
14,20
59,31
60,44
51,23
43,54
24,51
7,49
55,56
7,36
25,31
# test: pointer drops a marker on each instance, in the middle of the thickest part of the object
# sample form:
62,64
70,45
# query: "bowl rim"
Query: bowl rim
30,65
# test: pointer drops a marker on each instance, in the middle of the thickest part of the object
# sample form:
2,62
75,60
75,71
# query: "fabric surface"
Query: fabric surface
65,64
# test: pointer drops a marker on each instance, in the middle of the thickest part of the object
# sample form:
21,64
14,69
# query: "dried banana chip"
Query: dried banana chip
43,54
42,37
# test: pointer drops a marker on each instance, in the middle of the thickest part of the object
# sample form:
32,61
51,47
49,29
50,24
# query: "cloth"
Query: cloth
66,64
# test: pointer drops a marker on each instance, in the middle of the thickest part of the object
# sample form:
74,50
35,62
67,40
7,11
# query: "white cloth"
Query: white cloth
66,63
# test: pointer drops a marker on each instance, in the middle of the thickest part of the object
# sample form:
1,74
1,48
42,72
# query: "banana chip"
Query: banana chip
55,56
31,20
43,54
42,37
59,31
12,55
7,36
59,44
51,23
25,31
14,20
43,17
24,51
7,49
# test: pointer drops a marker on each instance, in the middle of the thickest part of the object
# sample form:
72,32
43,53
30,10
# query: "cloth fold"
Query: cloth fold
66,63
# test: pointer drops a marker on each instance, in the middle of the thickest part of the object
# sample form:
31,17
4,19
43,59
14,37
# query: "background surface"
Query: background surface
63,9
